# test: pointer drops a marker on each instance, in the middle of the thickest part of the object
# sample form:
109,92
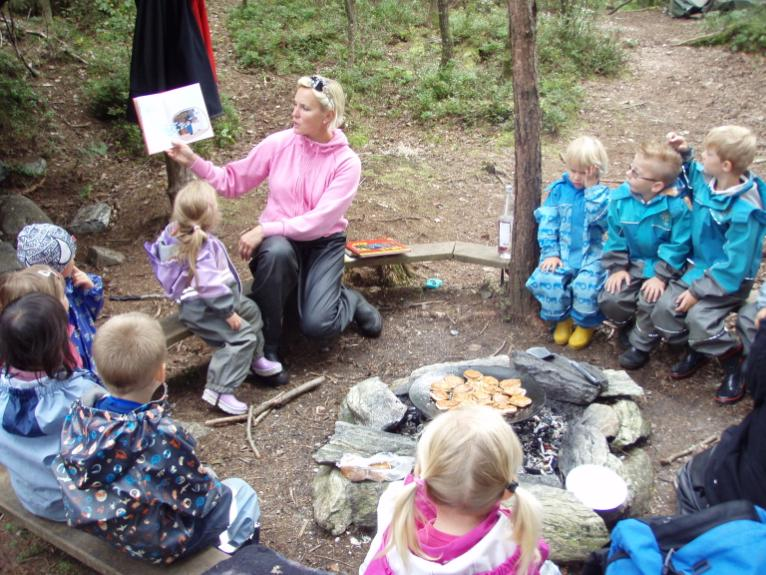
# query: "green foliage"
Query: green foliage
396,64
20,104
740,30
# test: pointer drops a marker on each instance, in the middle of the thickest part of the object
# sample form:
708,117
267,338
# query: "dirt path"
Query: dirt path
420,184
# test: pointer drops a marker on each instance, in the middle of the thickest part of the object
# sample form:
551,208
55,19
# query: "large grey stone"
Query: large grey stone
198,430
350,438
91,219
102,257
581,445
372,404
558,378
633,427
571,529
32,169
17,211
638,473
601,417
620,384
339,502
8,261
453,366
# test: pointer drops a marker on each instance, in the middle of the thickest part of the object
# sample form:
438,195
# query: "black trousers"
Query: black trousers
314,270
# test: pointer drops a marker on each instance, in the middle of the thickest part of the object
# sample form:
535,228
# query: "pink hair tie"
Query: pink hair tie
196,227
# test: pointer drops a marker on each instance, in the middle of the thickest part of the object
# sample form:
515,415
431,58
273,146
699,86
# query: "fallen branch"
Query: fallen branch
131,297
424,303
499,349
278,401
702,444
249,432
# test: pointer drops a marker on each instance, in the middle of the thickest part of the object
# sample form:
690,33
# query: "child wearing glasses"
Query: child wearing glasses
572,222
648,241
727,229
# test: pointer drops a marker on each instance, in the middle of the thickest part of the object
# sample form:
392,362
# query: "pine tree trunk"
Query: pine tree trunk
178,177
350,6
443,6
528,178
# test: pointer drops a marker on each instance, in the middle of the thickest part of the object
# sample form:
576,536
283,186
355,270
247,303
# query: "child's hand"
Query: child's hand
685,302
249,241
617,281
591,176
551,264
758,317
234,321
653,289
80,279
677,142
182,154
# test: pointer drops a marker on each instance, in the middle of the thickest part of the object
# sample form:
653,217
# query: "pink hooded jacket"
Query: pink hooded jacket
311,185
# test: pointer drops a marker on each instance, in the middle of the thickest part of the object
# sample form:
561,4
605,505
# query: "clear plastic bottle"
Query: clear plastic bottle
505,225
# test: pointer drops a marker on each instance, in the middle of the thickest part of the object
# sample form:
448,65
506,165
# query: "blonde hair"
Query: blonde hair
195,212
667,161
734,144
330,97
586,151
129,350
467,458
38,278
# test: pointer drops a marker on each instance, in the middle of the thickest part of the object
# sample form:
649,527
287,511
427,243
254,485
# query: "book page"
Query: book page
178,114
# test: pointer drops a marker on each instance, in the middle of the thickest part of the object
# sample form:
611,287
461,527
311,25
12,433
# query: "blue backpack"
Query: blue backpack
729,538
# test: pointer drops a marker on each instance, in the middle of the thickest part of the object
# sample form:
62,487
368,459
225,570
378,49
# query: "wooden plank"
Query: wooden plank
174,330
479,254
91,551
418,253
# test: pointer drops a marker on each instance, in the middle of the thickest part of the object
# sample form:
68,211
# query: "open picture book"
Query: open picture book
178,114
383,246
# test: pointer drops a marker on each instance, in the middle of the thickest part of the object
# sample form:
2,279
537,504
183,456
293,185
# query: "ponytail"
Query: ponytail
527,528
402,534
195,212
191,240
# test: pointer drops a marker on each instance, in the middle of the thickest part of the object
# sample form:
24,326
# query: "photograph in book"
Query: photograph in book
178,114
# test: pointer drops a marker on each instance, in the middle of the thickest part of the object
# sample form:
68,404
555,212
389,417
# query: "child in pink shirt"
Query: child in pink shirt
449,518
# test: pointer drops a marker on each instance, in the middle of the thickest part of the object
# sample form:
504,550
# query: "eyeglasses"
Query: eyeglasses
632,172
318,83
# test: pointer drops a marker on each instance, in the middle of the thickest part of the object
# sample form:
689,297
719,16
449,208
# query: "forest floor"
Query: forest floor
420,184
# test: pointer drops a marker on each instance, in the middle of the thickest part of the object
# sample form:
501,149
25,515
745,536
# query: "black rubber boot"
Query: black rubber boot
688,366
367,318
633,358
732,388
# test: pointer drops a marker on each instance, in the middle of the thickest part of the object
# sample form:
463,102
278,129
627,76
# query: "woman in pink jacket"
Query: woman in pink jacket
300,239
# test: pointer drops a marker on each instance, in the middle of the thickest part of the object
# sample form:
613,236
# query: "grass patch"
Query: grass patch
20,120
740,30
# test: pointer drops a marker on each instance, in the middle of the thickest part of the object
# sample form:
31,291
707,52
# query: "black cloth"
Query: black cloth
169,52
256,559
314,269
736,467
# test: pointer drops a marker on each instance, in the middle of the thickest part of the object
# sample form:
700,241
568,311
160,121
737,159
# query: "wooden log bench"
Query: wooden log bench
91,551
465,252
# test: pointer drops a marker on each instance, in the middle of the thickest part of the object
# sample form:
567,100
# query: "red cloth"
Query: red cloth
200,14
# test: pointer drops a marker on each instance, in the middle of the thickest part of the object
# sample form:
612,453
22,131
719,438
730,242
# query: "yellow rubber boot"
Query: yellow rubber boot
563,331
581,337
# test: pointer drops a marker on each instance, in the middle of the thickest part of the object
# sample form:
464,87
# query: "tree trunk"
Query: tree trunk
178,177
350,6
443,6
46,11
527,178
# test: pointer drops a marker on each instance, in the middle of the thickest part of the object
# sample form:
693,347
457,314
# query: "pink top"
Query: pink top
487,549
311,185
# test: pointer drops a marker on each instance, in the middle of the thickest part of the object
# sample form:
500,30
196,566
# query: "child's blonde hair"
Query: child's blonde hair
129,350
34,279
467,458
586,151
735,144
667,161
195,212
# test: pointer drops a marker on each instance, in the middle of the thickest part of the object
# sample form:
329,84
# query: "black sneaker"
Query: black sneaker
688,366
367,318
633,358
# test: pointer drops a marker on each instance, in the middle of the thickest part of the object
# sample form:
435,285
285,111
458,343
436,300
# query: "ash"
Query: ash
541,437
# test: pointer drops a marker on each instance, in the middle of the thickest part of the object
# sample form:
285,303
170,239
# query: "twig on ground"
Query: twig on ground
486,325
303,529
249,432
400,219
138,297
328,376
620,5
424,303
499,349
278,401
702,444
335,560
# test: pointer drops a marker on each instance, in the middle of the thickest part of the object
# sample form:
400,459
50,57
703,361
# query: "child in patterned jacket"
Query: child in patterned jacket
195,270
572,222
130,474
53,246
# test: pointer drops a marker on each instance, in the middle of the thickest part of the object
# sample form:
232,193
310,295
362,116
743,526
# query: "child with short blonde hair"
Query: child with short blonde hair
162,503
449,517
195,270
571,226
727,229
647,245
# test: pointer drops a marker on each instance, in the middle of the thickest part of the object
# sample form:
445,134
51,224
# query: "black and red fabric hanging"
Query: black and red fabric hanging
172,48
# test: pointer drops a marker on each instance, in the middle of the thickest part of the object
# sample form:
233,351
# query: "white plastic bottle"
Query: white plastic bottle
505,225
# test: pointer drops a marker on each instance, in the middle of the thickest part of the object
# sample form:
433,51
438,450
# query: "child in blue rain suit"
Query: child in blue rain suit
572,222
